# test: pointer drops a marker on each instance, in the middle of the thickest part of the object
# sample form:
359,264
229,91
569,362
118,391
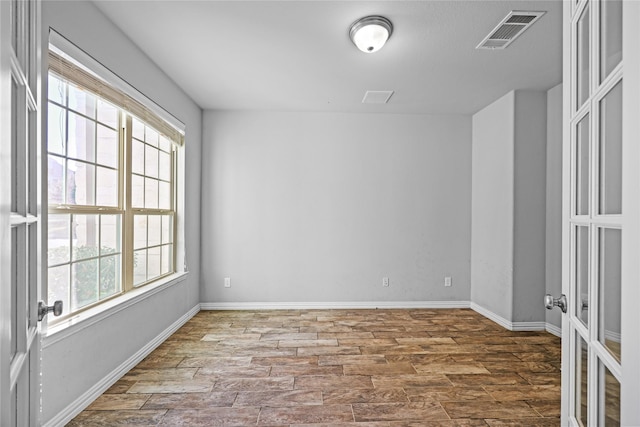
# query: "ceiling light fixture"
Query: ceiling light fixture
370,33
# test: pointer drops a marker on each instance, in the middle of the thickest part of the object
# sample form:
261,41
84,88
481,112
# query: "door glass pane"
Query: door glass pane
609,398
610,36
582,274
13,301
582,51
582,167
15,106
610,173
581,378
609,284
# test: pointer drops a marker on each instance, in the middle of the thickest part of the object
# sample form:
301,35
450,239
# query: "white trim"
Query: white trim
78,405
553,329
512,326
330,305
107,309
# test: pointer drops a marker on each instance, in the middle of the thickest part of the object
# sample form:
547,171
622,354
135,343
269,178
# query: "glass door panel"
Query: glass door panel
582,163
610,36
609,398
610,152
582,274
583,57
609,283
581,386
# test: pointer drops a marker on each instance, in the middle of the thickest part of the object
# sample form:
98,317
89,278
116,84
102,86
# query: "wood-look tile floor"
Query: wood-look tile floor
379,368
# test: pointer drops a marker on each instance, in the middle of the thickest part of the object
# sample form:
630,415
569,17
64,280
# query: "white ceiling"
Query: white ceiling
297,56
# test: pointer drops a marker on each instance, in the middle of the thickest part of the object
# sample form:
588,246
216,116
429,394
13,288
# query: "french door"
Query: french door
19,213
601,188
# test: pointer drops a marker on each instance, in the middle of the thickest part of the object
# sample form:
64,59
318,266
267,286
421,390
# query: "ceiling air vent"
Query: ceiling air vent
509,29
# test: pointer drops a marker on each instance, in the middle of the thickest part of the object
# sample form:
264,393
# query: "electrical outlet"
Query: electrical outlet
385,282
227,282
447,281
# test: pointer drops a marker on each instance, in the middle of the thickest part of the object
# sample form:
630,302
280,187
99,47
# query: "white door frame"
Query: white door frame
20,232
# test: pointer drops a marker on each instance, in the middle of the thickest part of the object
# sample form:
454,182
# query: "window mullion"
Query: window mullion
128,211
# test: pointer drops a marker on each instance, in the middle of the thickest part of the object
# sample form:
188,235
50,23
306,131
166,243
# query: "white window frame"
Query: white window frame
59,330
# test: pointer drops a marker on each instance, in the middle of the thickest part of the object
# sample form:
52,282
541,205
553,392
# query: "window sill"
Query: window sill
83,320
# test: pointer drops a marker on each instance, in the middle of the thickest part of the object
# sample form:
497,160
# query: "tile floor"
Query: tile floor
379,368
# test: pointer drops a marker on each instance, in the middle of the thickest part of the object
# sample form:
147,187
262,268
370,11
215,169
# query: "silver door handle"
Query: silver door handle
43,309
550,302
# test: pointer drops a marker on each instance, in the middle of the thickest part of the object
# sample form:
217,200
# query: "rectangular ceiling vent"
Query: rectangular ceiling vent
377,96
509,29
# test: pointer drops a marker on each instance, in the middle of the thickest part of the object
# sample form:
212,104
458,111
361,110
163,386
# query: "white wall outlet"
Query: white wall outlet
447,281
227,282
385,282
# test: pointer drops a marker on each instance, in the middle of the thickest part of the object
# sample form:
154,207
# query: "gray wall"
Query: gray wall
312,207
553,253
73,365
492,207
529,206
508,207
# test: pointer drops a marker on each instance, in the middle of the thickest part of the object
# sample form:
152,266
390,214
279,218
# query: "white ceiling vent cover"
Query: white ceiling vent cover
377,96
509,29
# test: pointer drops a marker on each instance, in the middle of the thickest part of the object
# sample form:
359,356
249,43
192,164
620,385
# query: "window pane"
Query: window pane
138,129
139,267
150,193
82,102
611,152
107,114
610,36
56,130
56,90
58,239
80,183
110,275
107,152
55,179
583,57
85,283
153,263
137,191
82,138
610,393
165,166
582,167
110,234
582,274
151,136
58,285
107,187
137,157
164,201
165,144
167,229
609,284
140,232
85,236
167,259
154,230
151,161
581,378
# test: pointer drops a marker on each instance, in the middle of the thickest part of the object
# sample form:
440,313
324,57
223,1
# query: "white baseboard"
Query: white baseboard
553,329
512,326
330,305
94,392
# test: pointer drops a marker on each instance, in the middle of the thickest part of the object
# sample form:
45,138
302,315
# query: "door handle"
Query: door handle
43,309
550,302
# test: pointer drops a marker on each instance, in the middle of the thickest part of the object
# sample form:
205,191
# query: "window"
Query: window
111,190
